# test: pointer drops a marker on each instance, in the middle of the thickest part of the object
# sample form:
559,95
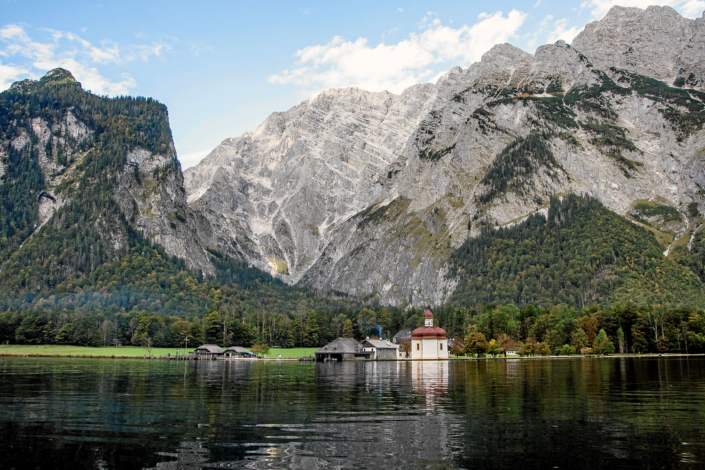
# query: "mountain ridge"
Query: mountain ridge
371,195
607,131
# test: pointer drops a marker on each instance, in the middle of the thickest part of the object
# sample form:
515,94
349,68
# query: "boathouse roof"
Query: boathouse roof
341,346
401,336
379,344
211,348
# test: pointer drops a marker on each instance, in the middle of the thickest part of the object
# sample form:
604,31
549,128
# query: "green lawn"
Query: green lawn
126,350
292,352
84,350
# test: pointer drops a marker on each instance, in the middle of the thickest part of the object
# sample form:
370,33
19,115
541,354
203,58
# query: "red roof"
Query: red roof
428,314
429,332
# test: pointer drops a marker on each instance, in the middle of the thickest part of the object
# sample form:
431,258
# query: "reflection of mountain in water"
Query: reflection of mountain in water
572,413
374,413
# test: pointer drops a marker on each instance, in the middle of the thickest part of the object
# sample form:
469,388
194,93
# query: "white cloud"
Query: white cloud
13,31
427,20
72,52
393,67
401,11
688,8
538,33
192,158
537,4
693,8
11,73
561,32
196,47
144,51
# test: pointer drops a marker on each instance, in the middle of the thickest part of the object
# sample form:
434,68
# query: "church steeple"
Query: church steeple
428,318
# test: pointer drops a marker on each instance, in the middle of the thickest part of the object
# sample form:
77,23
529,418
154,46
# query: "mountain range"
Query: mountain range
388,198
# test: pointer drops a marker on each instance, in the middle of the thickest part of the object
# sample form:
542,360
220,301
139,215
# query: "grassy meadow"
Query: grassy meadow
133,351
56,349
291,352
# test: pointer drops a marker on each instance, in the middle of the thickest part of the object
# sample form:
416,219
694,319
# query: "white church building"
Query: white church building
429,342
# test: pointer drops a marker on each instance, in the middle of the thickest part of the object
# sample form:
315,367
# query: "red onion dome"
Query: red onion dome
428,315
429,332
440,333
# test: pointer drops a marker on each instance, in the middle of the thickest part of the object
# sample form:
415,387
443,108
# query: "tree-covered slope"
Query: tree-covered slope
93,212
580,253
67,149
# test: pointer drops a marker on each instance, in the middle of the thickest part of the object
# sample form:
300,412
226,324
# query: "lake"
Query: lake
607,413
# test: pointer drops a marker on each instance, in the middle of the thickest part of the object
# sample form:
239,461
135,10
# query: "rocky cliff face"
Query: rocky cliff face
369,193
152,197
67,158
275,196
656,42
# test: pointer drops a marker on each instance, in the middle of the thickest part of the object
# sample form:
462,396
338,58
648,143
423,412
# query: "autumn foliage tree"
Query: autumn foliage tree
476,344
348,331
579,339
589,326
260,349
457,346
405,346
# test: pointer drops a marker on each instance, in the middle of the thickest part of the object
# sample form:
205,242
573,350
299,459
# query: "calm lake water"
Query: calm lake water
518,414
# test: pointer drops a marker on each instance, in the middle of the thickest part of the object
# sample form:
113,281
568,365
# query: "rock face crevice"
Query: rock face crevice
369,193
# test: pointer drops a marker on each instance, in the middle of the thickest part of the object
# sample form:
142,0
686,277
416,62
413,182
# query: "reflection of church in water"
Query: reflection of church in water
391,413
431,381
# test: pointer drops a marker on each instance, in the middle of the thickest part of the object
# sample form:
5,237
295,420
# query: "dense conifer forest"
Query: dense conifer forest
579,254
87,259
581,276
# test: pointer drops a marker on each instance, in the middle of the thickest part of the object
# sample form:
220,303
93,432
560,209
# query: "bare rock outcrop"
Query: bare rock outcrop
370,193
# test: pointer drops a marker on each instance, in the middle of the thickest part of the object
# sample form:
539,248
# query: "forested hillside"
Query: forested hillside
92,210
85,158
71,198
579,254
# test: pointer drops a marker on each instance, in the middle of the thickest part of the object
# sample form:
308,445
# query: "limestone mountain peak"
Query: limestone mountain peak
57,76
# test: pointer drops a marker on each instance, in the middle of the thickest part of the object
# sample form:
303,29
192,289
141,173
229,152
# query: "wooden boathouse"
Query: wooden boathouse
342,349
382,350
208,351
238,351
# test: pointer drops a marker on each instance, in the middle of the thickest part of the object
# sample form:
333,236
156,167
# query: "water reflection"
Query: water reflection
430,380
608,413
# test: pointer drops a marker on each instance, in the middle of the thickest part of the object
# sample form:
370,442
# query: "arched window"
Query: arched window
418,346
441,346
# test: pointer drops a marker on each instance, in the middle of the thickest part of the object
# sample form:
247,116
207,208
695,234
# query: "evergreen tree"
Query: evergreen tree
311,331
348,330
213,331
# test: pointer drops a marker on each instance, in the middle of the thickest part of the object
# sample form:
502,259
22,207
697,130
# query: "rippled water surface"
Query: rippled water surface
518,414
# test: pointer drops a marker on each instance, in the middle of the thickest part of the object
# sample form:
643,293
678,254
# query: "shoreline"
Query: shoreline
300,359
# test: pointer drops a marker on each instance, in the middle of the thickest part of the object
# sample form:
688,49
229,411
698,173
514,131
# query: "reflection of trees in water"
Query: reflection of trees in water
587,413
575,413
353,414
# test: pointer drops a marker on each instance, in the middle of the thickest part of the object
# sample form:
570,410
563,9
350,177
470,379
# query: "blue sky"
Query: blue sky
223,67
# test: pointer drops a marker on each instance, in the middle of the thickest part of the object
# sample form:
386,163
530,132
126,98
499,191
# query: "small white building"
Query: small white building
381,349
429,342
